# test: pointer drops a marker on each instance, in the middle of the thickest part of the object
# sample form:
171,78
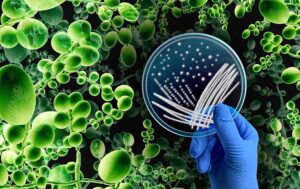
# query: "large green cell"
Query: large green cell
123,90
89,55
290,75
115,166
197,3
128,55
79,30
274,11
14,134
52,16
8,37
43,4
61,42
128,12
151,151
32,34
14,8
17,97
147,30
42,135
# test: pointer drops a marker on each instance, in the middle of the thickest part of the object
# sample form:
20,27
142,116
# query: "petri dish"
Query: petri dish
186,77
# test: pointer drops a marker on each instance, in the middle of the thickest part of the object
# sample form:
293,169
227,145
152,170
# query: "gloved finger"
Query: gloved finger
198,146
246,130
225,126
204,161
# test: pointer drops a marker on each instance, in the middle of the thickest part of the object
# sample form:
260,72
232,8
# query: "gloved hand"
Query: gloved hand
230,156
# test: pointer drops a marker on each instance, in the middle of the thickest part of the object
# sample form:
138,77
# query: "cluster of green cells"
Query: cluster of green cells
63,90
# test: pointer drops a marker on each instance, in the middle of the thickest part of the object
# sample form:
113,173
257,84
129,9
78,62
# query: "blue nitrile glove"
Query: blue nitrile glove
230,156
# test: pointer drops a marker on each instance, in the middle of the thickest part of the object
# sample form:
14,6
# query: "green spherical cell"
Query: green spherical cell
61,120
128,12
112,3
107,107
61,42
125,36
128,55
290,105
70,167
57,67
17,96
94,90
43,5
197,3
290,75
275,124
126,186
108,121
110,39
79,30
52,16
60,174
104,13
176,12
14,134
8,37
118,21
63,78
239,11
289,32
81,109
90,7
19,178
75,139
42,135
79,124
32,153
128,139
246,33
72,63
256,68
75,97
62,102
97,148
3,175
124,103
14,8
275,11
93,40
107,90
151,150
89,55
147,30
41,182
32,34
105,25
16,54
115,166
296,132
106,79
123,90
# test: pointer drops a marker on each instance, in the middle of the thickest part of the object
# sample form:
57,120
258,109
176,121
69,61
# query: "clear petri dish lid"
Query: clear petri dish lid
186,77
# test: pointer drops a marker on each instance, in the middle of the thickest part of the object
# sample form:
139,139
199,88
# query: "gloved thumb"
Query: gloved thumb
226,128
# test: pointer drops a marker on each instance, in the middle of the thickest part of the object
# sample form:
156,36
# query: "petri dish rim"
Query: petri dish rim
156,53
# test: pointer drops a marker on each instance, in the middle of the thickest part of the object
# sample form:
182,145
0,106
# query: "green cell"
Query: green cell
112,3
19,178
123,90
108,121
176,12
17,97
197,3
110,39
106,79
125,36
14,134
274,11
128,12
72,63
107,90
63,78
115,166
79,30
128,139
52,16
57,67
239,11
32,153
124,103
275,124
61,42
290,105
3,175
32,34
128,55
8,37
94,90
79,124
59,174
43,5
289,32
14,8
97,148
61,120
147,30
105,25
42,136
41,182
89,55
104,13
90,7
290,75
118,21
125,186
107,107
93,40
81,109
70,167
296,132
75,139
151,150
62,102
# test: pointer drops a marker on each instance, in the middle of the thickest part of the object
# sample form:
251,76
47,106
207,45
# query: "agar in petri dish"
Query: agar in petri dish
186,77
